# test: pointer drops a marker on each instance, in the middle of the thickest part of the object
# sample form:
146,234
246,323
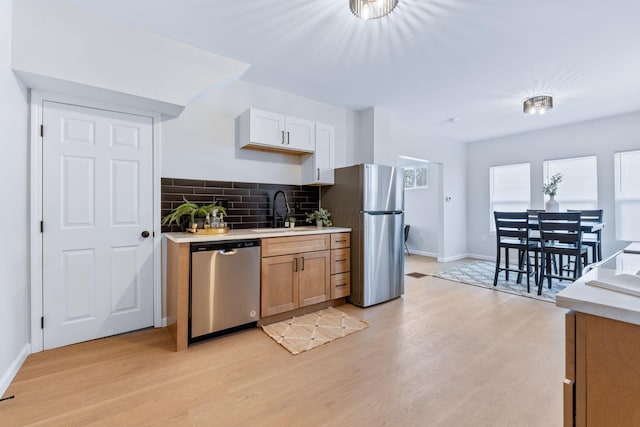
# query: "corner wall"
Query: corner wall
14,173
601,137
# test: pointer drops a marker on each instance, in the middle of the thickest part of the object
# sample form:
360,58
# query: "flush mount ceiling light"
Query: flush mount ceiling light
538,104
372,9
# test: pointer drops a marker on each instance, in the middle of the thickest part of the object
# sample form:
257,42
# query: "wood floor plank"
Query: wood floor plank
444,354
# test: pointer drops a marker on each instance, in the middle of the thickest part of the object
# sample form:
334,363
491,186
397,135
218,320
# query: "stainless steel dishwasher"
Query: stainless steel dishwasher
225,287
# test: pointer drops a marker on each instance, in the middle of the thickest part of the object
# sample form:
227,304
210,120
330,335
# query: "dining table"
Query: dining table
585,226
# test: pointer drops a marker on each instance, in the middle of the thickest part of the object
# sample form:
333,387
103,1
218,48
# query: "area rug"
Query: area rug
480,273
312,330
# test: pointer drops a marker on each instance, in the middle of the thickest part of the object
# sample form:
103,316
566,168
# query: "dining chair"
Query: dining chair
512,232
560,235
534,236
592,240
407,227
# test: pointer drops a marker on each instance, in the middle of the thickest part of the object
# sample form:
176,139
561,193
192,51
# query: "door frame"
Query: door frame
35,236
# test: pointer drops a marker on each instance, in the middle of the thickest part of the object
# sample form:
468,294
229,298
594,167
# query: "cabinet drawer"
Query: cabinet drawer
294,245
340,260
340,285
340,240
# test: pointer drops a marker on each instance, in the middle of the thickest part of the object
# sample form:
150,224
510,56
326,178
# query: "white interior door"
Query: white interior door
97,209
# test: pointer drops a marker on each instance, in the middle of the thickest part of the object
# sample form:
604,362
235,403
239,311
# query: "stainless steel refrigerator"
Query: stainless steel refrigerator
370,199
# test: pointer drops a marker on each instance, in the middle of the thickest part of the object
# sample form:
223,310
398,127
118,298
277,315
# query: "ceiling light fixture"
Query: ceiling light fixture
538,104
372,9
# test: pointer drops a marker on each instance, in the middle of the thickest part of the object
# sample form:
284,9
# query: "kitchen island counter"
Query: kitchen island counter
602,345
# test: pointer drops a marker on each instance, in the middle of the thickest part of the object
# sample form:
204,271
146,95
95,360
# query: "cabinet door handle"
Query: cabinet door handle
296,268
282,137
318,174
288,138
302,263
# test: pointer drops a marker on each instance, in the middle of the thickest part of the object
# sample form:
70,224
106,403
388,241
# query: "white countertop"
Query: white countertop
253,233
584,298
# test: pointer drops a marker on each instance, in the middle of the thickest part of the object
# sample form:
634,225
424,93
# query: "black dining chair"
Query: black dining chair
560,235
512,232
592,240
535,234
407,227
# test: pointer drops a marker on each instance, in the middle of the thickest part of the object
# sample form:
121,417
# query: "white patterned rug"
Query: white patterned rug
306,332
480,273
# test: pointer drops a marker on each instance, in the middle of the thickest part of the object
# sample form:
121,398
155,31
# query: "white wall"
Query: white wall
600,137
406,141
423,211
14,174
201,143
361,147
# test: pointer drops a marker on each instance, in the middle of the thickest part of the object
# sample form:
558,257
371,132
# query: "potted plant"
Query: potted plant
292,222
194,214
321,217
550,189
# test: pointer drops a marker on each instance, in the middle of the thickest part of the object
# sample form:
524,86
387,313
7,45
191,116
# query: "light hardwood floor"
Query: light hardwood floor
446,354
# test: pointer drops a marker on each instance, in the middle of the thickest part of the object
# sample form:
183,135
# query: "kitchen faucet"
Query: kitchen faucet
274,221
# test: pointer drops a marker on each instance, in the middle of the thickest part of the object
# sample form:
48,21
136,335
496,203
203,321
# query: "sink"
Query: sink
282,230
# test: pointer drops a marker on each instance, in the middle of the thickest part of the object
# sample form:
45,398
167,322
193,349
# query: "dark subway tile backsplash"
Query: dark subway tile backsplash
248,204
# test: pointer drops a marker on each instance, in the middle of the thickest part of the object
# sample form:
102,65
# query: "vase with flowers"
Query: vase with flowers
550,189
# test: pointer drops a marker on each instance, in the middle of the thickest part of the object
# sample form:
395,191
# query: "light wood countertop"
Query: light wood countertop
253,233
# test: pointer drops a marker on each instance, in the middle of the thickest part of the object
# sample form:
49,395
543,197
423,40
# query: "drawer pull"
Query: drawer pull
341,241
341,285
341,260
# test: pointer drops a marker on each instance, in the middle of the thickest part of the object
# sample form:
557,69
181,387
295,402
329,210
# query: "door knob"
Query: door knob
145,234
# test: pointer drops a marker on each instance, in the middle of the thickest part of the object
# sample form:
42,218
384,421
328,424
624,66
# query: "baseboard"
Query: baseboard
482,257
423,253
463,256
15,366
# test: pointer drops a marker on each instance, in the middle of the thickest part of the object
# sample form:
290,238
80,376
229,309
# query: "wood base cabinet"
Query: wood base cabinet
300,271
340,265
296,279
602,384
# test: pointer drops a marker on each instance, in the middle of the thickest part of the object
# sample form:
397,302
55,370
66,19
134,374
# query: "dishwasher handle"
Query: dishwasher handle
228,251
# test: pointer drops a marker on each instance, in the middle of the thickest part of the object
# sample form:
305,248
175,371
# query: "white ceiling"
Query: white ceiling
428,61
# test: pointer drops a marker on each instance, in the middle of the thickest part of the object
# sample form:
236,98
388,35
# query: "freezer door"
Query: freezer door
383,261
383,189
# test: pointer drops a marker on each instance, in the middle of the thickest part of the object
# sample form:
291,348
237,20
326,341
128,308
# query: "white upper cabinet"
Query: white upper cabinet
300,134
265,130
317,168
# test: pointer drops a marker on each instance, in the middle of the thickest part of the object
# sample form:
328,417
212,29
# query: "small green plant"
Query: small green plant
551,187
191,210
322,215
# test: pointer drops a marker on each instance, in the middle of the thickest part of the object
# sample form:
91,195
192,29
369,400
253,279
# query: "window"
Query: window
579,186
415,177
627,195
509,189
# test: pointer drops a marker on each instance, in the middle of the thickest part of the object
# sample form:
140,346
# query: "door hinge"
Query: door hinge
42,130
42,226
42,322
